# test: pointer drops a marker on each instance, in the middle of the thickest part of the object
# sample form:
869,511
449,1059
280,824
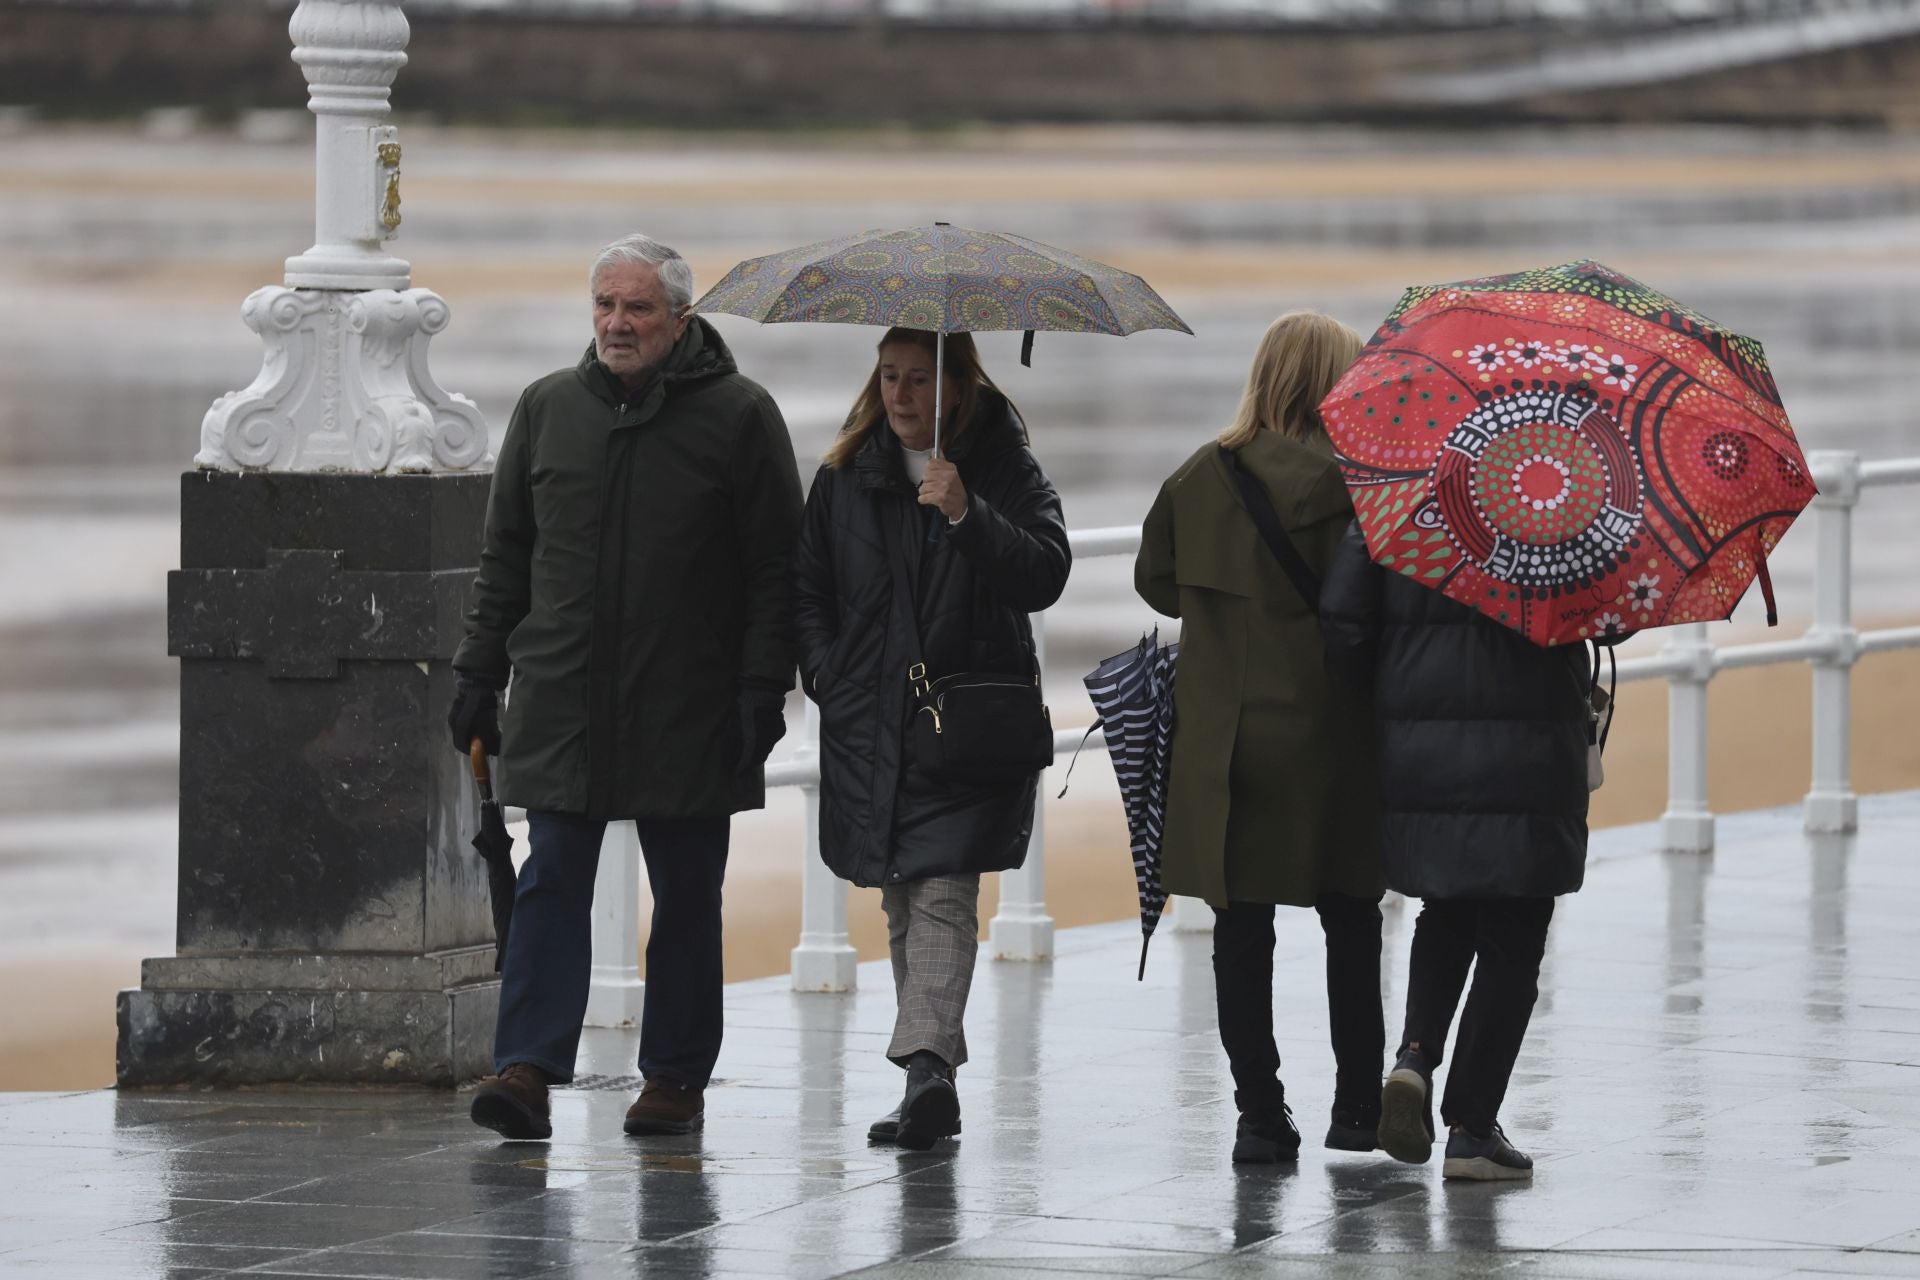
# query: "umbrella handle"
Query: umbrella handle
477,752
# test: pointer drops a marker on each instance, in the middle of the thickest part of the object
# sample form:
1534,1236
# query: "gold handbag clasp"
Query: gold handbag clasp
917,677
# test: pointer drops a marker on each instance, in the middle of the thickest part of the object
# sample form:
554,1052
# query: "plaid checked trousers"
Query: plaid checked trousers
933,934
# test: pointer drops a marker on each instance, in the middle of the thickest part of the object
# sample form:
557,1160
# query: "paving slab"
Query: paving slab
1722,1081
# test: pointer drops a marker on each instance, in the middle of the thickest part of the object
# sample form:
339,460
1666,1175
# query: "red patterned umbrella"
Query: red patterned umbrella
1568,452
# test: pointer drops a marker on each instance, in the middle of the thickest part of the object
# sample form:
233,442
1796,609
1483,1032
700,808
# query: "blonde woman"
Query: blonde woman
909,559
1272,794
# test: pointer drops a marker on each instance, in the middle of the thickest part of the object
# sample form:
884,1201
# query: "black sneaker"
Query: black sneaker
1406,1110
930,1110
1266,1137
1354,1127
1490,1159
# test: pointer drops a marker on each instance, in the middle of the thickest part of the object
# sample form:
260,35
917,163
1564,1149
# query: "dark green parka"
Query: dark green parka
1271,796
634,576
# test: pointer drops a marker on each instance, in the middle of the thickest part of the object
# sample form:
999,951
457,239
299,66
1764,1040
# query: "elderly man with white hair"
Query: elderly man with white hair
633,585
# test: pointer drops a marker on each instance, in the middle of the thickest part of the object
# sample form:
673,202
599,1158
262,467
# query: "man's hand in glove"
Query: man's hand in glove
475,713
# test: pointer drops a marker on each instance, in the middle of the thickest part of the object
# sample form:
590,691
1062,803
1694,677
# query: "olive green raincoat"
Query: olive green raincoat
1272,795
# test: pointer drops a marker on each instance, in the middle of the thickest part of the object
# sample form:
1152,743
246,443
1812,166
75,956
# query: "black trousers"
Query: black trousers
1508,937
549,963
1243,992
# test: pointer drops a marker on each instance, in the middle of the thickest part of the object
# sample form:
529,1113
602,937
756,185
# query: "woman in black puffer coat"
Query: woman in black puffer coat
1482,756
980,535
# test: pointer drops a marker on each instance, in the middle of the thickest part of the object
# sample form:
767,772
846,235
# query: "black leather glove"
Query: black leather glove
475,713
763,722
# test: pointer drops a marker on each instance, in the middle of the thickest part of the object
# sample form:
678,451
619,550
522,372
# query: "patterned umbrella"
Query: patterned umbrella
942,278
1568,452
1133,692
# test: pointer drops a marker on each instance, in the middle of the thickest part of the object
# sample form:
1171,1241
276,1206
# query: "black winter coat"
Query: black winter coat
1482,743
883,820
634,578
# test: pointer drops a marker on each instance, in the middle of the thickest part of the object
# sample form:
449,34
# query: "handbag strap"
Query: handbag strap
1260,507
917,677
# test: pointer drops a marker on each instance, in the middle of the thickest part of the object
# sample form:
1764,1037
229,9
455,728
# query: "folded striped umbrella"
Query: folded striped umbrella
1133,692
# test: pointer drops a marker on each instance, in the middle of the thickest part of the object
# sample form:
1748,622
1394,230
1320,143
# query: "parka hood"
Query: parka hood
700,353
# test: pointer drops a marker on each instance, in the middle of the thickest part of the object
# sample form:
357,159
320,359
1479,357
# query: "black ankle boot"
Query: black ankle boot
930,1109
1266,1134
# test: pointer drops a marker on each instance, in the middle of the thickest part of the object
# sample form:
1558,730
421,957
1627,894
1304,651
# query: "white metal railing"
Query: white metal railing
823,960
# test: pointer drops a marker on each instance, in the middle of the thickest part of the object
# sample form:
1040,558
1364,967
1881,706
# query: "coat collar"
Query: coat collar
700,353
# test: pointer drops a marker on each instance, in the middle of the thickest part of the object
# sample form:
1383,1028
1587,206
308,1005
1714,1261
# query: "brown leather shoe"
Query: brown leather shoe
514,1103
667,1106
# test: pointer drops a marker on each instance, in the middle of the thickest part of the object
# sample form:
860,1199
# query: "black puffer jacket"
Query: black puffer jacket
882,820
1482,743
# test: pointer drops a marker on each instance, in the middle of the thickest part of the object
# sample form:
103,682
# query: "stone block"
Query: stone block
333,920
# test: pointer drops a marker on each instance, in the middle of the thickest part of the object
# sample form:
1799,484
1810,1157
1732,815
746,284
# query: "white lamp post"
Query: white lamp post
345,385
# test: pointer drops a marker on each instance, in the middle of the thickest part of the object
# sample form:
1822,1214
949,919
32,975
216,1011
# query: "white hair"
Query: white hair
675,275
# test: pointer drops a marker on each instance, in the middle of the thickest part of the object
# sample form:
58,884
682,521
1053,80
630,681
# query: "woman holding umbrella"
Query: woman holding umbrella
1271,792
918,565
1540,459
1483,774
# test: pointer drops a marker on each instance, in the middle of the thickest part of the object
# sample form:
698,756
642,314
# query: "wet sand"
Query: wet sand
59,1008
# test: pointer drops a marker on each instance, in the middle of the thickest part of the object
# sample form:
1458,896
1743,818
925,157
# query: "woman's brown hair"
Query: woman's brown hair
964,374
1302,355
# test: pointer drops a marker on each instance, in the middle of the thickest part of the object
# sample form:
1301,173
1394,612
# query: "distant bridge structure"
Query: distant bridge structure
1742,33
1594,16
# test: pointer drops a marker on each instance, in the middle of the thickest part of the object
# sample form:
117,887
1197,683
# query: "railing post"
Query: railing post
1021,929
615,995
1831,805
824,960
1191,915
1687,825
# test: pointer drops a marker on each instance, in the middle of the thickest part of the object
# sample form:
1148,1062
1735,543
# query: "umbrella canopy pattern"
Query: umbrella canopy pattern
941,278
1568,452
1133,694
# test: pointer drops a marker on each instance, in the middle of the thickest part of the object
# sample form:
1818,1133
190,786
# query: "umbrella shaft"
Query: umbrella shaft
939,382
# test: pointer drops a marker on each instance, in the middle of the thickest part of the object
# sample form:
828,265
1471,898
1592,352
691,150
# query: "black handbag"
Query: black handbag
977,727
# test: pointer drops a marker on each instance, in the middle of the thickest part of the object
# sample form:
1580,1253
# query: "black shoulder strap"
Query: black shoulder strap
1260,507
903,598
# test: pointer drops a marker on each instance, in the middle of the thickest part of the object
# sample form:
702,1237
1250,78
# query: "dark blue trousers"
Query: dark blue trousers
549,963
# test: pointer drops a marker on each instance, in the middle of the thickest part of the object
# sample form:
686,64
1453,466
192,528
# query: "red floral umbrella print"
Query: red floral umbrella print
1568,452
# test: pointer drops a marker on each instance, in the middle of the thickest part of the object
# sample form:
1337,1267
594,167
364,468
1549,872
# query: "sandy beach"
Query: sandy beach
1810,240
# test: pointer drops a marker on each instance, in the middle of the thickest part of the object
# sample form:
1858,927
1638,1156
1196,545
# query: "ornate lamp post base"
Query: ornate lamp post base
344,387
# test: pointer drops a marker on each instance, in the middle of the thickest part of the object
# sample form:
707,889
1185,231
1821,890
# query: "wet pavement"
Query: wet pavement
1723,1080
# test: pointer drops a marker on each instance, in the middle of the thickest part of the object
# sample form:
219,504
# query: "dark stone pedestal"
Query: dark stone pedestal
333,919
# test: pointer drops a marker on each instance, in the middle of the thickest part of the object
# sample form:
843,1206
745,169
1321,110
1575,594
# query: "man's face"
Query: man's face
634,325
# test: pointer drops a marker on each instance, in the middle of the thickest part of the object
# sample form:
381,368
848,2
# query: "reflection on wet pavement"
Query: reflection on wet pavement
1723,1080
